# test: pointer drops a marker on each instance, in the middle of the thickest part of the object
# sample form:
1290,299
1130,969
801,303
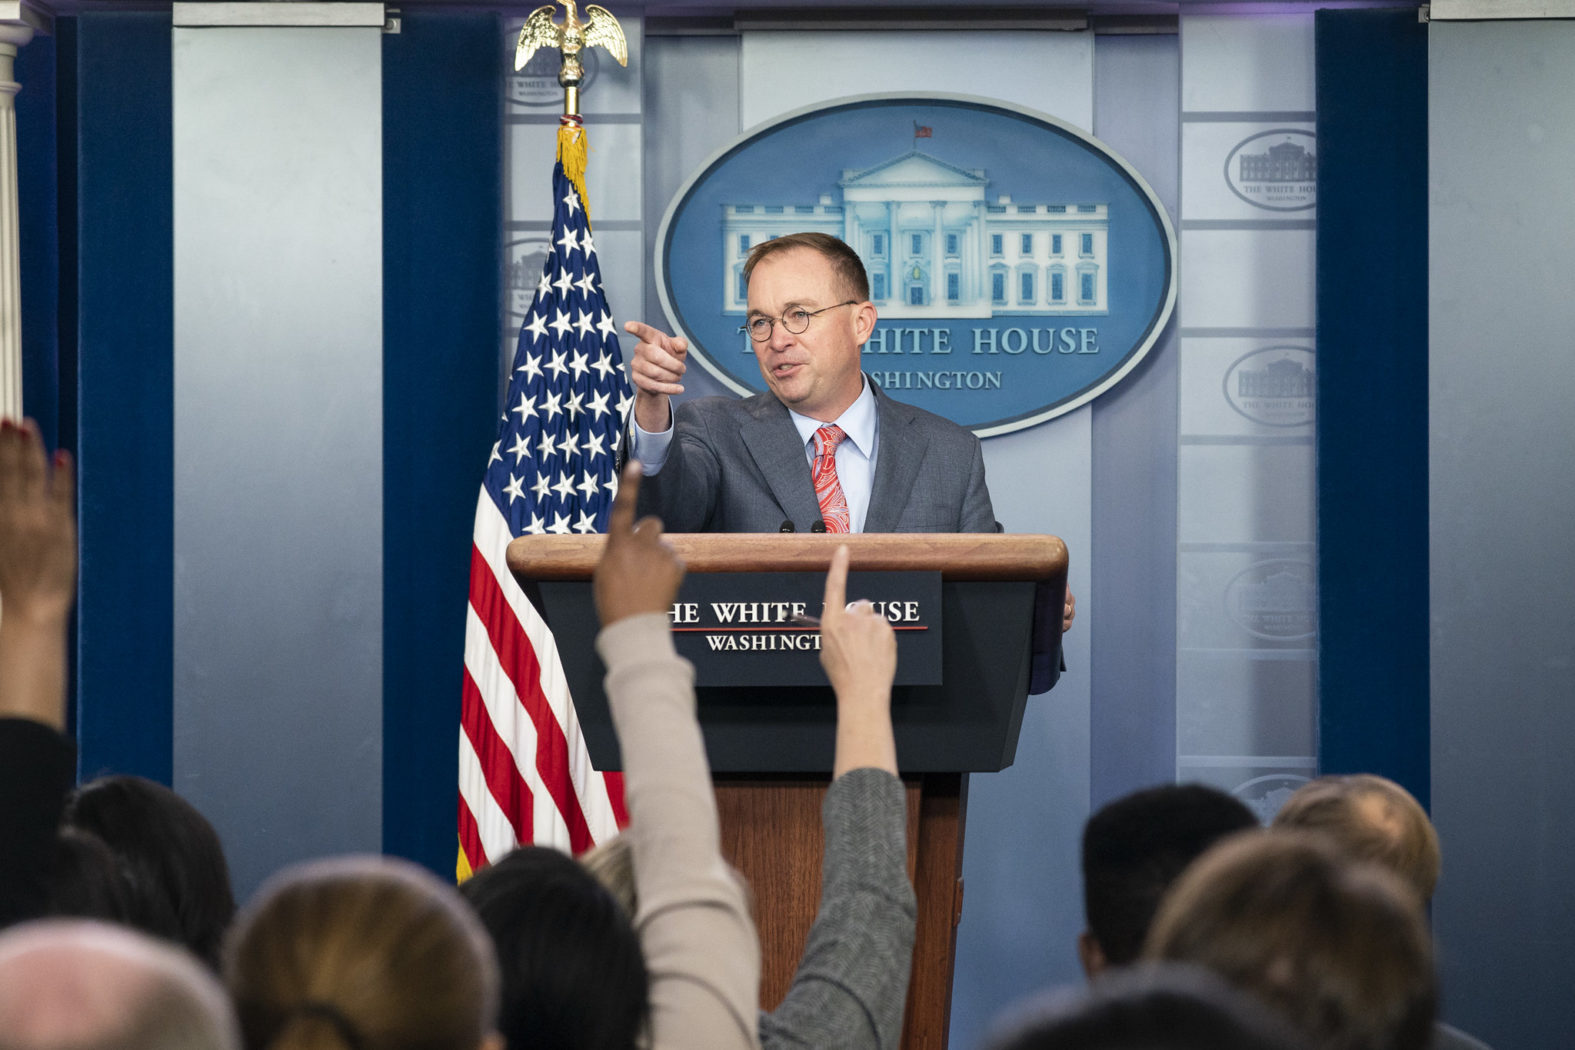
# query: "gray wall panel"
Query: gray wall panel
1502,229
278,439
1137,81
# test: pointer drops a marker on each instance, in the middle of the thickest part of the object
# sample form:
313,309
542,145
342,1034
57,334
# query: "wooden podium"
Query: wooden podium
770,747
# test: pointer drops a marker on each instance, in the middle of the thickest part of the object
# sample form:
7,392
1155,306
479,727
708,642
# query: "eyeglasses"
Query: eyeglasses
794,322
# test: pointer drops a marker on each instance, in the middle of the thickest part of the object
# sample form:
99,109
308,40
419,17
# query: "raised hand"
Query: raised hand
858,650
656,368
38,531
639,572
38,572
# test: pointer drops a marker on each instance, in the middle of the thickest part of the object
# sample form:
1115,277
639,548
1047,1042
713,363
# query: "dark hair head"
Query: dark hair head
88,882
1369,817
1149,1007
1338,946
843,259
169,853
364,953
573,973
1133,849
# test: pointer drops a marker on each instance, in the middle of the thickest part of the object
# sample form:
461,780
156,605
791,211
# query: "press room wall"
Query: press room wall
1501,121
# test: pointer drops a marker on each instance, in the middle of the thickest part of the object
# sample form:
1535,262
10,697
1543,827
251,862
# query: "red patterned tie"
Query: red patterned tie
833,505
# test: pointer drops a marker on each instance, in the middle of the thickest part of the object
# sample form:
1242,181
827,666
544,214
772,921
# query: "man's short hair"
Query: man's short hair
90,985
1133,849
1156,1006
1338,946
1373,818
846,263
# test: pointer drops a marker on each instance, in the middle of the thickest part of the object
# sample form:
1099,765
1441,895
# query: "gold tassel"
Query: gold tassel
572,149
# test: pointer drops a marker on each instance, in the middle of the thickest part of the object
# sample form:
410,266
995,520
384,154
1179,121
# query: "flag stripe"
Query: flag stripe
601,805
518,660
492,824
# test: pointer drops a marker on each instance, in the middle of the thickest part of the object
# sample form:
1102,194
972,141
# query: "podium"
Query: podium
770,746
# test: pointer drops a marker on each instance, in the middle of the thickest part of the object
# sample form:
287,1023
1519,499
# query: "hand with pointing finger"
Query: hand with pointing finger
639,572
858,649
656,368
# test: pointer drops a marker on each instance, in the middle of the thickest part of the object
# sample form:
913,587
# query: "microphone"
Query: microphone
786,526
819,526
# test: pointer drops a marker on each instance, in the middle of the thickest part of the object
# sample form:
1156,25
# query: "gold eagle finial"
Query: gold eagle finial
600,28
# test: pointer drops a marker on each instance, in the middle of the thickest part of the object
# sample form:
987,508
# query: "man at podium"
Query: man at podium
823,450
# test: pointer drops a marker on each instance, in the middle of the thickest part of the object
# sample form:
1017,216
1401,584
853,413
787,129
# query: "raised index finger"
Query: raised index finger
836,585
620,521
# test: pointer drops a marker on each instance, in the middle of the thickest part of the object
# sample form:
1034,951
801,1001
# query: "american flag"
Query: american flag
524,773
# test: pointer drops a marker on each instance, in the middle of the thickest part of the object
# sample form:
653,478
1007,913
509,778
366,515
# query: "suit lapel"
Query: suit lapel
773,443
902,447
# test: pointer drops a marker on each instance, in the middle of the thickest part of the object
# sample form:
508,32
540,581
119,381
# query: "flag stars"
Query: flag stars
526,409
624,401
587,284
515,489
598,405
544,284
593,447
541,488
586,523
495,457
564,488
560,525
557,366
546,447
569,444
538,324
607,329
563,283
570,243
553,405
536,527
579,364
589,484
586,246
560,323
571,200
520,448
576,405
531,367
584,323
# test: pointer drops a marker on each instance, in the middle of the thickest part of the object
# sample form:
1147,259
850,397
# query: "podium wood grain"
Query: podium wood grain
771,832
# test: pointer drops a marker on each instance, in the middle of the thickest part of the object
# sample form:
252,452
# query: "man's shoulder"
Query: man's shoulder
934,426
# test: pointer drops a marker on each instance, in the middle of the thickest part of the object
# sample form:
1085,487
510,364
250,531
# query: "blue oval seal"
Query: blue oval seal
1020,267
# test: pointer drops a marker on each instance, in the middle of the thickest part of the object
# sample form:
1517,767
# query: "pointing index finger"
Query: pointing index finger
620,521
836,585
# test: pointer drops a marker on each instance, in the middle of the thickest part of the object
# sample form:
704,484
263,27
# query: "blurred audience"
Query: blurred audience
1372,818
1338,947
573,976
79,985
363,953
1133,849
170,854
1148,1007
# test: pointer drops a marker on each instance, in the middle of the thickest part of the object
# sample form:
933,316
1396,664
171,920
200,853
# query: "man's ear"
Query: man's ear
1091,955
864,318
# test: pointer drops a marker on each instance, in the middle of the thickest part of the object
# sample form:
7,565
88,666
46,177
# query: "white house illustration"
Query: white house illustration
934,245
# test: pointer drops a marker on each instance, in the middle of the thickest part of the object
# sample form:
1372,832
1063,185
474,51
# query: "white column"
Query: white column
13,36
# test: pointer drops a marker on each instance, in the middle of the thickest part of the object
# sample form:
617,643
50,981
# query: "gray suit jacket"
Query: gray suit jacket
738,465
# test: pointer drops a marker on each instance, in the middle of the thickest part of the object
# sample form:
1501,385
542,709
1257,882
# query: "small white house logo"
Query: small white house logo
1273,386
1276,169
526,259
1273,599
1266,794
537,84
